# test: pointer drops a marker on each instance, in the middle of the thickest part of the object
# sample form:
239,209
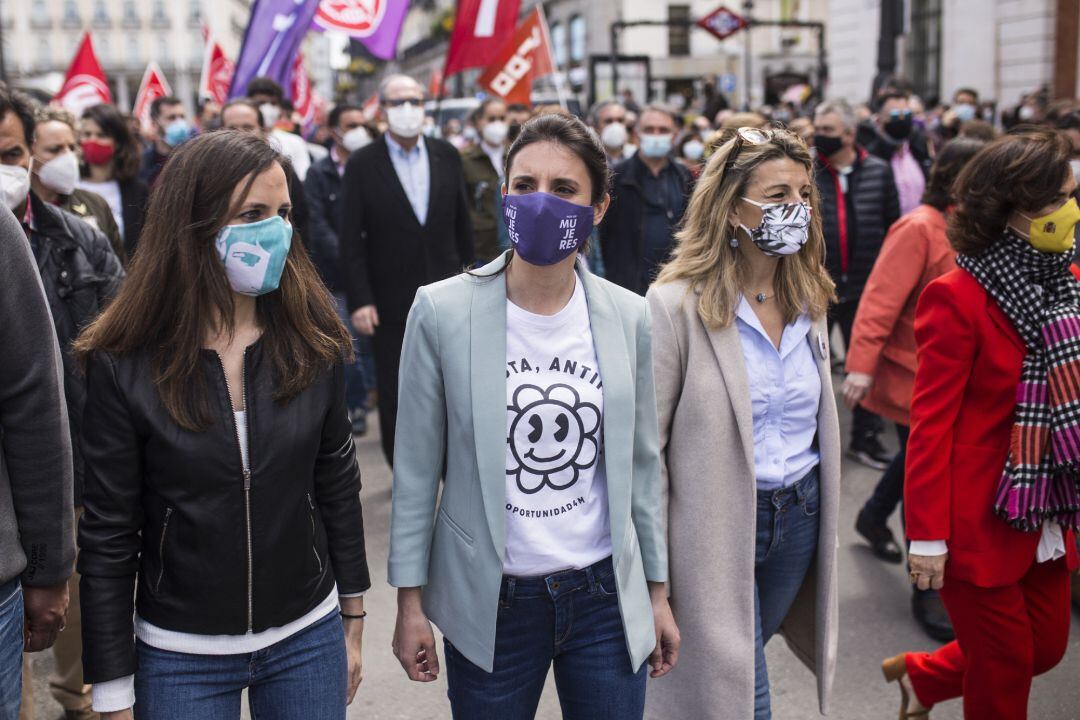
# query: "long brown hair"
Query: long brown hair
704,257
1023,170
176,290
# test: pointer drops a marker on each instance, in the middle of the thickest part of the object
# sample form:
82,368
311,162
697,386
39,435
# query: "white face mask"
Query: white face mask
693,150
495,133
14,185
1075,166
60,174
355,139
270,113
406,120
614,136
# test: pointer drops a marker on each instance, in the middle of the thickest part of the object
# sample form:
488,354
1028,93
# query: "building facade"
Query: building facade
1004,49
40,38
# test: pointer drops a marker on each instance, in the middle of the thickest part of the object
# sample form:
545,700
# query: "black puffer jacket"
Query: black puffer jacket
80,273
871,207
175,527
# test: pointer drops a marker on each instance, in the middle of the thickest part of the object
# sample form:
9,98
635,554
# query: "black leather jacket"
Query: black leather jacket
175,527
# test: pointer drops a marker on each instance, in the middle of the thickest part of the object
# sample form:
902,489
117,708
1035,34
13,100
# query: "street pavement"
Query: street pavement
875,622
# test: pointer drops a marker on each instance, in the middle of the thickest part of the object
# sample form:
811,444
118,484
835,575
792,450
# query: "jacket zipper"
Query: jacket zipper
247,474
161,550
311,515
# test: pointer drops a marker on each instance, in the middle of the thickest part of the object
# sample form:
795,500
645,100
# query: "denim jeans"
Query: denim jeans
303,676
570,618
11,648
787,539
889,491
359,374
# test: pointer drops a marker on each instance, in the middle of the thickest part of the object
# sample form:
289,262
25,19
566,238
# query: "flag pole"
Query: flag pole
560,76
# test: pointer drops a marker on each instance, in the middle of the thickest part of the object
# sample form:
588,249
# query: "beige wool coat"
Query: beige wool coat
709,492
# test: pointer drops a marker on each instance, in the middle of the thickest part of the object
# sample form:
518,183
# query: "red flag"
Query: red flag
371,107
527,55
217,72
480,29
435,83
84,84
300,93
153,86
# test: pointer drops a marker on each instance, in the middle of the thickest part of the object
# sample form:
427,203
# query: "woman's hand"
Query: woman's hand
666,654
414,642
855,387
928,572
118,715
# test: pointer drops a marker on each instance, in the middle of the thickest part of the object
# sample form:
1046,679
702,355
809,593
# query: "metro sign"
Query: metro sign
723,23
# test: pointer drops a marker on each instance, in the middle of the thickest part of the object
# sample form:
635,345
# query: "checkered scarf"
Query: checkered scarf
1041,297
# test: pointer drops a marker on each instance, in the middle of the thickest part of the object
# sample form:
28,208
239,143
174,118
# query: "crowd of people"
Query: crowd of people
586,339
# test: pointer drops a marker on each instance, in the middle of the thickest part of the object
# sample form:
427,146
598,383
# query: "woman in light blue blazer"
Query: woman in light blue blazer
528,386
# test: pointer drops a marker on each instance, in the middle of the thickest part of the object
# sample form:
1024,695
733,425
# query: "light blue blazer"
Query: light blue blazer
452,421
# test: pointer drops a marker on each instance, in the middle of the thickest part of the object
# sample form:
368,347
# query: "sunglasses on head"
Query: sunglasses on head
751,135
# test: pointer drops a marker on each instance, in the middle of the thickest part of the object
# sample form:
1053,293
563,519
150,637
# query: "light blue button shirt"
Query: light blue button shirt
414,173
785,391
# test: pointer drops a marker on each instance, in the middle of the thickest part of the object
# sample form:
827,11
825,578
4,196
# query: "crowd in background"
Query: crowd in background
883,171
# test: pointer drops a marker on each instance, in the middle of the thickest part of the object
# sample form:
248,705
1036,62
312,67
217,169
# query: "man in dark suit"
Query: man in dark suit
404,223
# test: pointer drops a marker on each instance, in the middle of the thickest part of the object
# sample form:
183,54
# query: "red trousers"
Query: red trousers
1004,637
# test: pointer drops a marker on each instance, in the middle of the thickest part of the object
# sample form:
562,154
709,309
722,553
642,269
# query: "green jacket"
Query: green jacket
484,193
452,423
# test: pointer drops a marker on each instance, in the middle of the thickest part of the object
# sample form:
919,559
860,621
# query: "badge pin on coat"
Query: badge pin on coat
822,347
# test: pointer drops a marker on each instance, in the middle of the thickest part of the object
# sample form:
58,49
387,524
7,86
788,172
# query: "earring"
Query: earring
733,241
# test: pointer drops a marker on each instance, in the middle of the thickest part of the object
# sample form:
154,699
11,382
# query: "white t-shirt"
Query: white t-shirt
110,191
293,147
556,489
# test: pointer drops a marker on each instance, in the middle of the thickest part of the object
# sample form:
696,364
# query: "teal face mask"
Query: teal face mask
254,254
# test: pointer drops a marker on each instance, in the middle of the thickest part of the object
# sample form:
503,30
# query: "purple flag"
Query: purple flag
271,41
375,23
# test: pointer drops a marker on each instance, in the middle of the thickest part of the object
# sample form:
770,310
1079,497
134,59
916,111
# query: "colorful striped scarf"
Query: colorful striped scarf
1039,294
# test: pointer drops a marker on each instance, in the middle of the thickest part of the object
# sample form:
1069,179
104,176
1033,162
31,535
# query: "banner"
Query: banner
526,56
480,29
84,84
217,72
375,23
272,39
153,86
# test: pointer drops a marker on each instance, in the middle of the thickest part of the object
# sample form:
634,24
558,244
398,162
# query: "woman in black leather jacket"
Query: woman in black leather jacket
222,489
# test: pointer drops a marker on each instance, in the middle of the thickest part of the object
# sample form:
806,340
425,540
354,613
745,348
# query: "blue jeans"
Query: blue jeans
359,374
889,492
787,539
11,648
303,676
570,618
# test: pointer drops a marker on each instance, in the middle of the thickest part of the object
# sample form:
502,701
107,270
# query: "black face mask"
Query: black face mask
828,146
899,128
512,131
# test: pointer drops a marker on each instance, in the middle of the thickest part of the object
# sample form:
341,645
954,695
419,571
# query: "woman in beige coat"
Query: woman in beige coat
748,431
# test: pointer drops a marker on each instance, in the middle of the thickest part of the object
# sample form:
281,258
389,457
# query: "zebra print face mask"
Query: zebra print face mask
784,227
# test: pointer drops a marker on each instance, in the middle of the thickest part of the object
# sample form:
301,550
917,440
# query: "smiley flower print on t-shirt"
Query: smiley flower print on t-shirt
552,437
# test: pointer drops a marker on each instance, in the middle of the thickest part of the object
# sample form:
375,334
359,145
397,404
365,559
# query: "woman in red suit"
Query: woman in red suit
992,486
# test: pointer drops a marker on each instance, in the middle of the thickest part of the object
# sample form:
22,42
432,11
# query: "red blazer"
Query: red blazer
969,362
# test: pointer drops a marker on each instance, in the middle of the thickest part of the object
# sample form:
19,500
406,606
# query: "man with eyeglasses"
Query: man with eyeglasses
902,145
404,223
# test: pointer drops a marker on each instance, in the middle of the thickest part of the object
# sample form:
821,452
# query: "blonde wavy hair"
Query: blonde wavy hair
703,255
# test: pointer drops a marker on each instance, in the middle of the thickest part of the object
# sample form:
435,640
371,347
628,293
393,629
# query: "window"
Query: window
195,13
159,17
558,40
131,17
577,39
102,48
40,14
71,13
134,52
198,48
162,49
44,53
679,30
101,14
924,48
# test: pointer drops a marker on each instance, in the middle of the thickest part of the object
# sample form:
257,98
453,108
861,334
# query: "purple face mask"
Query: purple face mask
545,229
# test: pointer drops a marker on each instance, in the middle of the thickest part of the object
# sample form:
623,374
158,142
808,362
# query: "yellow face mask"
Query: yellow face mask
1053,233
